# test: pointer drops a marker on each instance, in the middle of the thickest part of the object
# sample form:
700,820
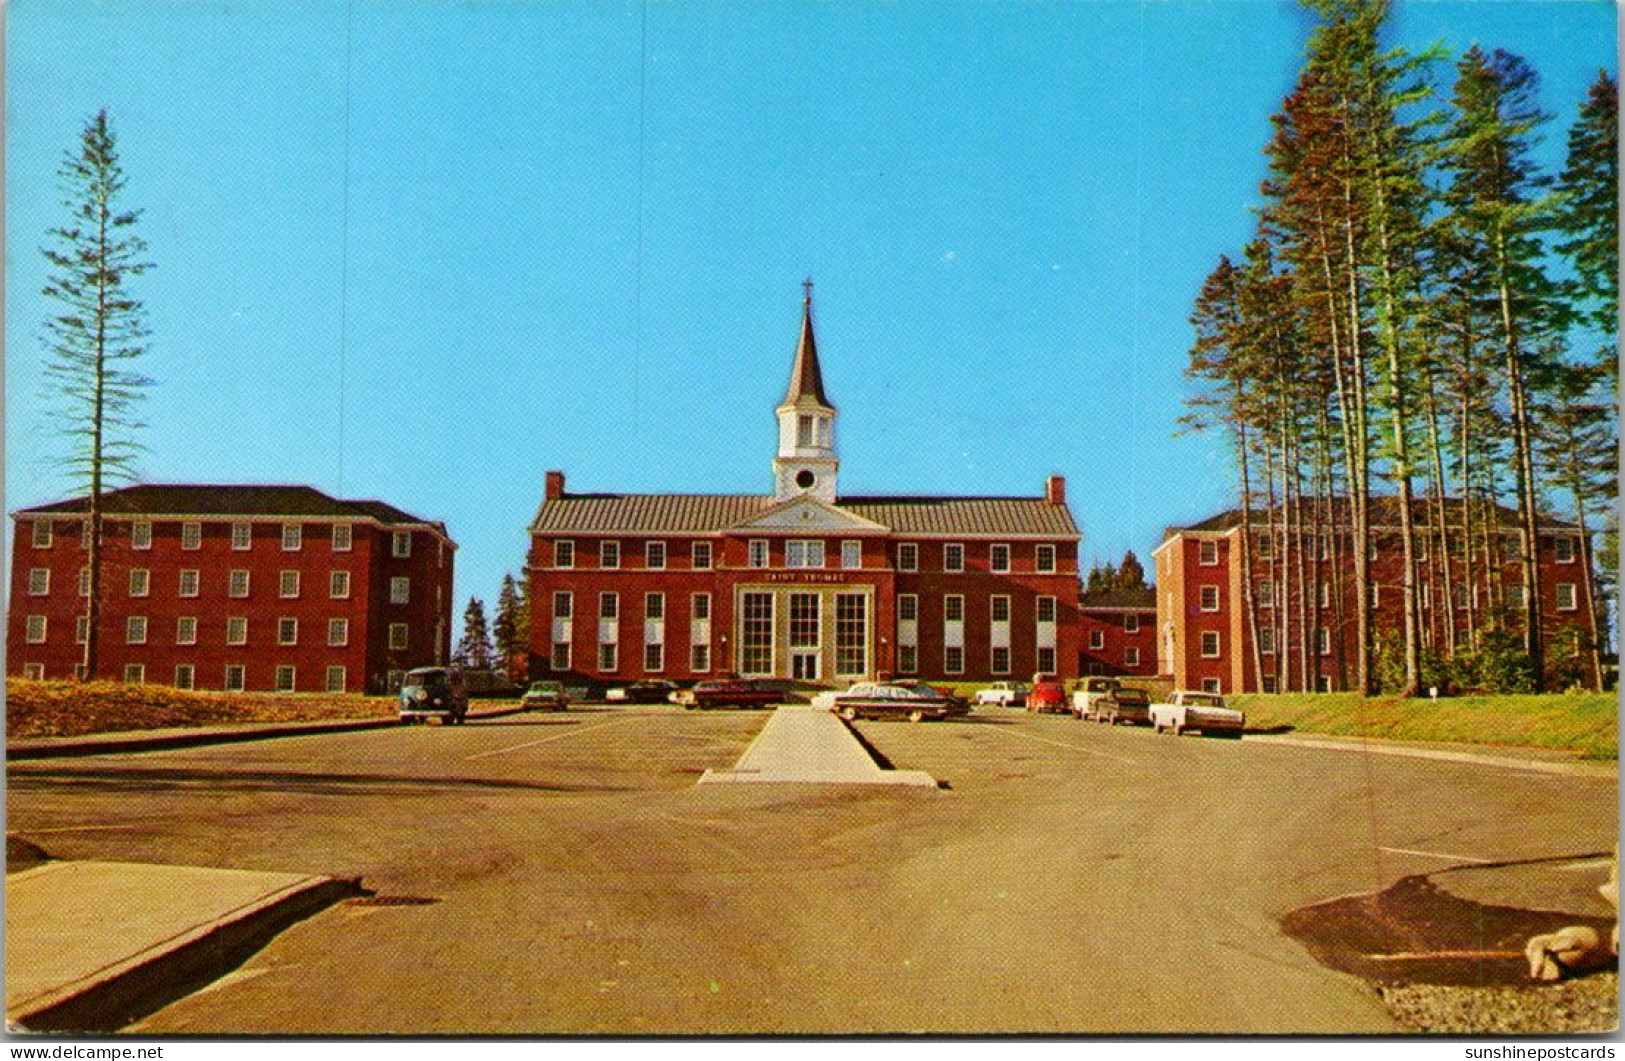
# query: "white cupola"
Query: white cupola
806,463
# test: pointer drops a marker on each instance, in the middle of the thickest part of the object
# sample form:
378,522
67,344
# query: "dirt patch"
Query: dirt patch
1590,1004
72,709
1417,933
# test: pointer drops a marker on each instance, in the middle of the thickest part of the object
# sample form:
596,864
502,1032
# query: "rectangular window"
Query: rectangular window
343,538
609,554
758,552
338,633
288,584
851,555
1262,545
287,631
1563,549
560,660
1325,594
1001,660
1046,560
1514,593
84,536
700,555
84,582
397,637
1131,624
1323,683
564,554
234,678
285,677
798,553
851,634
563,604
608,656
654,605
1323,641
1097,640
699,658
237,584
701,607
953,660
135,630
186,630
1567,601
1325,546
908,556
609,606
1266,640
293,537
336,679
338,585
908,659
400,589
953,558
999,609
36,630
184,675
1210,644
140,582
654,555
654,657
1376,595
81,629
34,672
756,633
1046,609
1210,598
1427,598
189,581
908,607
39,582
135,674
998,558
237,630
1131,657
42,533
400,544
191,535
1046,660
141,534
242,536
1208,555
1269,683
1263,593
804,431
953,608
1212,685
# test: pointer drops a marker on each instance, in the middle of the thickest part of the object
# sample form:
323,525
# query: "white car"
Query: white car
1199,711
1002,694
1087,691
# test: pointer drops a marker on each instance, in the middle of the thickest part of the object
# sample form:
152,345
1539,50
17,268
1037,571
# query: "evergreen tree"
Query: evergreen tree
95,338
1130,573
474,650
510,630
1588,215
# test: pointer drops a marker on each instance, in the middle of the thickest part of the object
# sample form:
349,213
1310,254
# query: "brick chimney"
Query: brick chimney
1055,490
555,485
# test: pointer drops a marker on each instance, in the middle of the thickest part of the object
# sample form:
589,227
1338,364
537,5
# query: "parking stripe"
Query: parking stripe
1074,747
544,740
1436,854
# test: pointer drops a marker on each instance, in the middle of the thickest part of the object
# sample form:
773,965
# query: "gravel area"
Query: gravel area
1590,1004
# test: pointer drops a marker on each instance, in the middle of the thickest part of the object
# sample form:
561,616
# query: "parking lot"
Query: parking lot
564,873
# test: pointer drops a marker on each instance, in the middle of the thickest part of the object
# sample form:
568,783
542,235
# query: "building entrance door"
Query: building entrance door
804,666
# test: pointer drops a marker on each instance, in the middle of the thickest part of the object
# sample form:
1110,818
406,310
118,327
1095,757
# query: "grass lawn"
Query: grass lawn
1584,722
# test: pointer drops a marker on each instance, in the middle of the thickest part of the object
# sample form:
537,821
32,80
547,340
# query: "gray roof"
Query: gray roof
1385,515
1138,599
714,513
231,499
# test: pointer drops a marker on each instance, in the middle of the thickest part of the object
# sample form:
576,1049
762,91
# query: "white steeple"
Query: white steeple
806,463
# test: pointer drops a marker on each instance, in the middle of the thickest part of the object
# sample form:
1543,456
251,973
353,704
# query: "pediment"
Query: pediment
808,514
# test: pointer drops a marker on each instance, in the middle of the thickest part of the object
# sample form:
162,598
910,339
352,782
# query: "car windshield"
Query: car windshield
544,687
426,677
1205,700
1138,696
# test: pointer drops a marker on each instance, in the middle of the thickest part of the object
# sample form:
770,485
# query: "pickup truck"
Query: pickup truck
1087,691
1199,711
1002,694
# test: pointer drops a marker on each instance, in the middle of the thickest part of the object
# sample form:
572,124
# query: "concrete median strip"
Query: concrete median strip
91,946
801,744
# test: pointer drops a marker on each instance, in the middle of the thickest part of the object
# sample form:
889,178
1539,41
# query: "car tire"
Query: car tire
849,713
916,716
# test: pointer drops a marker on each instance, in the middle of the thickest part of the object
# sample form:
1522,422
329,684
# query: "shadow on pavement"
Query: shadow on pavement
159,779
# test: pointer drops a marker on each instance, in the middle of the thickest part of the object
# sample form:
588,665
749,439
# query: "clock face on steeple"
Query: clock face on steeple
805,479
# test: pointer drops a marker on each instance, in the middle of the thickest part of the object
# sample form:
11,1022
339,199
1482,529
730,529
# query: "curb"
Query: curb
1377,746
84,746
144,983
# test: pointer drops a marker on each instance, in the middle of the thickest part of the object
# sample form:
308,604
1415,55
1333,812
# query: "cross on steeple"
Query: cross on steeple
806,287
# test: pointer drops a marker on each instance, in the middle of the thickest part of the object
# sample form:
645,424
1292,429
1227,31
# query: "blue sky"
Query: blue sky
425,251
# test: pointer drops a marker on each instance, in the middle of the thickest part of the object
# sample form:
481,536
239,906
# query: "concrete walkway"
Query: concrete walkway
1569,767
91,946
801,743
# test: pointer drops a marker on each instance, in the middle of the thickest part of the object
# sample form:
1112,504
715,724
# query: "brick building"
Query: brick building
1306,597
233,587
1118,632
802,583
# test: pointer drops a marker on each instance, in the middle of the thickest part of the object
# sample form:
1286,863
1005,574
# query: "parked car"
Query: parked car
644,692
545,696
1047,697
1123,705
913,701
1087,690
1205,712
434,692
1002,694
733,692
